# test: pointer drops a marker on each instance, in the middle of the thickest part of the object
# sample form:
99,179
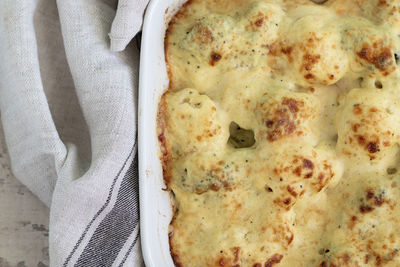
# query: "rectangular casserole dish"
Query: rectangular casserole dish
155,204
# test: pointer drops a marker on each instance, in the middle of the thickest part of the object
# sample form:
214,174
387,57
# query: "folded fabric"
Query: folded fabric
68,108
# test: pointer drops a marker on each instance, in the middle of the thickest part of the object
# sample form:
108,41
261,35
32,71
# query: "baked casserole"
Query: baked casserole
280,133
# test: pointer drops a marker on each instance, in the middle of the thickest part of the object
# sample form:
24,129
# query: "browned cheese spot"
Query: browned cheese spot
214,58
276,258
308,164
382,3
287,201
236,251
291,191
352,222
259,22
205,36
357,109
366,208
370,194
378,55
366,260
309,61
284,120
355,127
222,261
372,147
309,76
378,260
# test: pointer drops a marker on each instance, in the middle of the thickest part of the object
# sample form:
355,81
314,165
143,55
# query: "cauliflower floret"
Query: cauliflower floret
210,38
314,52
302,172
261,22
193,123
367,124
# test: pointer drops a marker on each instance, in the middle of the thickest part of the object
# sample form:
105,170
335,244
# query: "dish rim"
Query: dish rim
154,201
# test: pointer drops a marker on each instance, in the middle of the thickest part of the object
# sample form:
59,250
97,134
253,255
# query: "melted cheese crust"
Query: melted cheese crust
318,87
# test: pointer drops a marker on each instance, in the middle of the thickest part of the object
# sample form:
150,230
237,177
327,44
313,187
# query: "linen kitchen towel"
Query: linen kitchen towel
68,109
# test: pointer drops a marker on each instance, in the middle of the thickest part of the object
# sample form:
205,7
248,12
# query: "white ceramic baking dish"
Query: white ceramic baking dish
155,205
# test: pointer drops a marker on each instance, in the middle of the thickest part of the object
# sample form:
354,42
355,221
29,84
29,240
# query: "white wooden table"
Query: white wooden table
24,221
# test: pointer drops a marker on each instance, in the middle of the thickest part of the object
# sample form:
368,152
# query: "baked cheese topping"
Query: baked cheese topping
280,133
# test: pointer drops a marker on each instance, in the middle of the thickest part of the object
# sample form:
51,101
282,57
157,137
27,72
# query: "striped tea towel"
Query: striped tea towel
68,108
